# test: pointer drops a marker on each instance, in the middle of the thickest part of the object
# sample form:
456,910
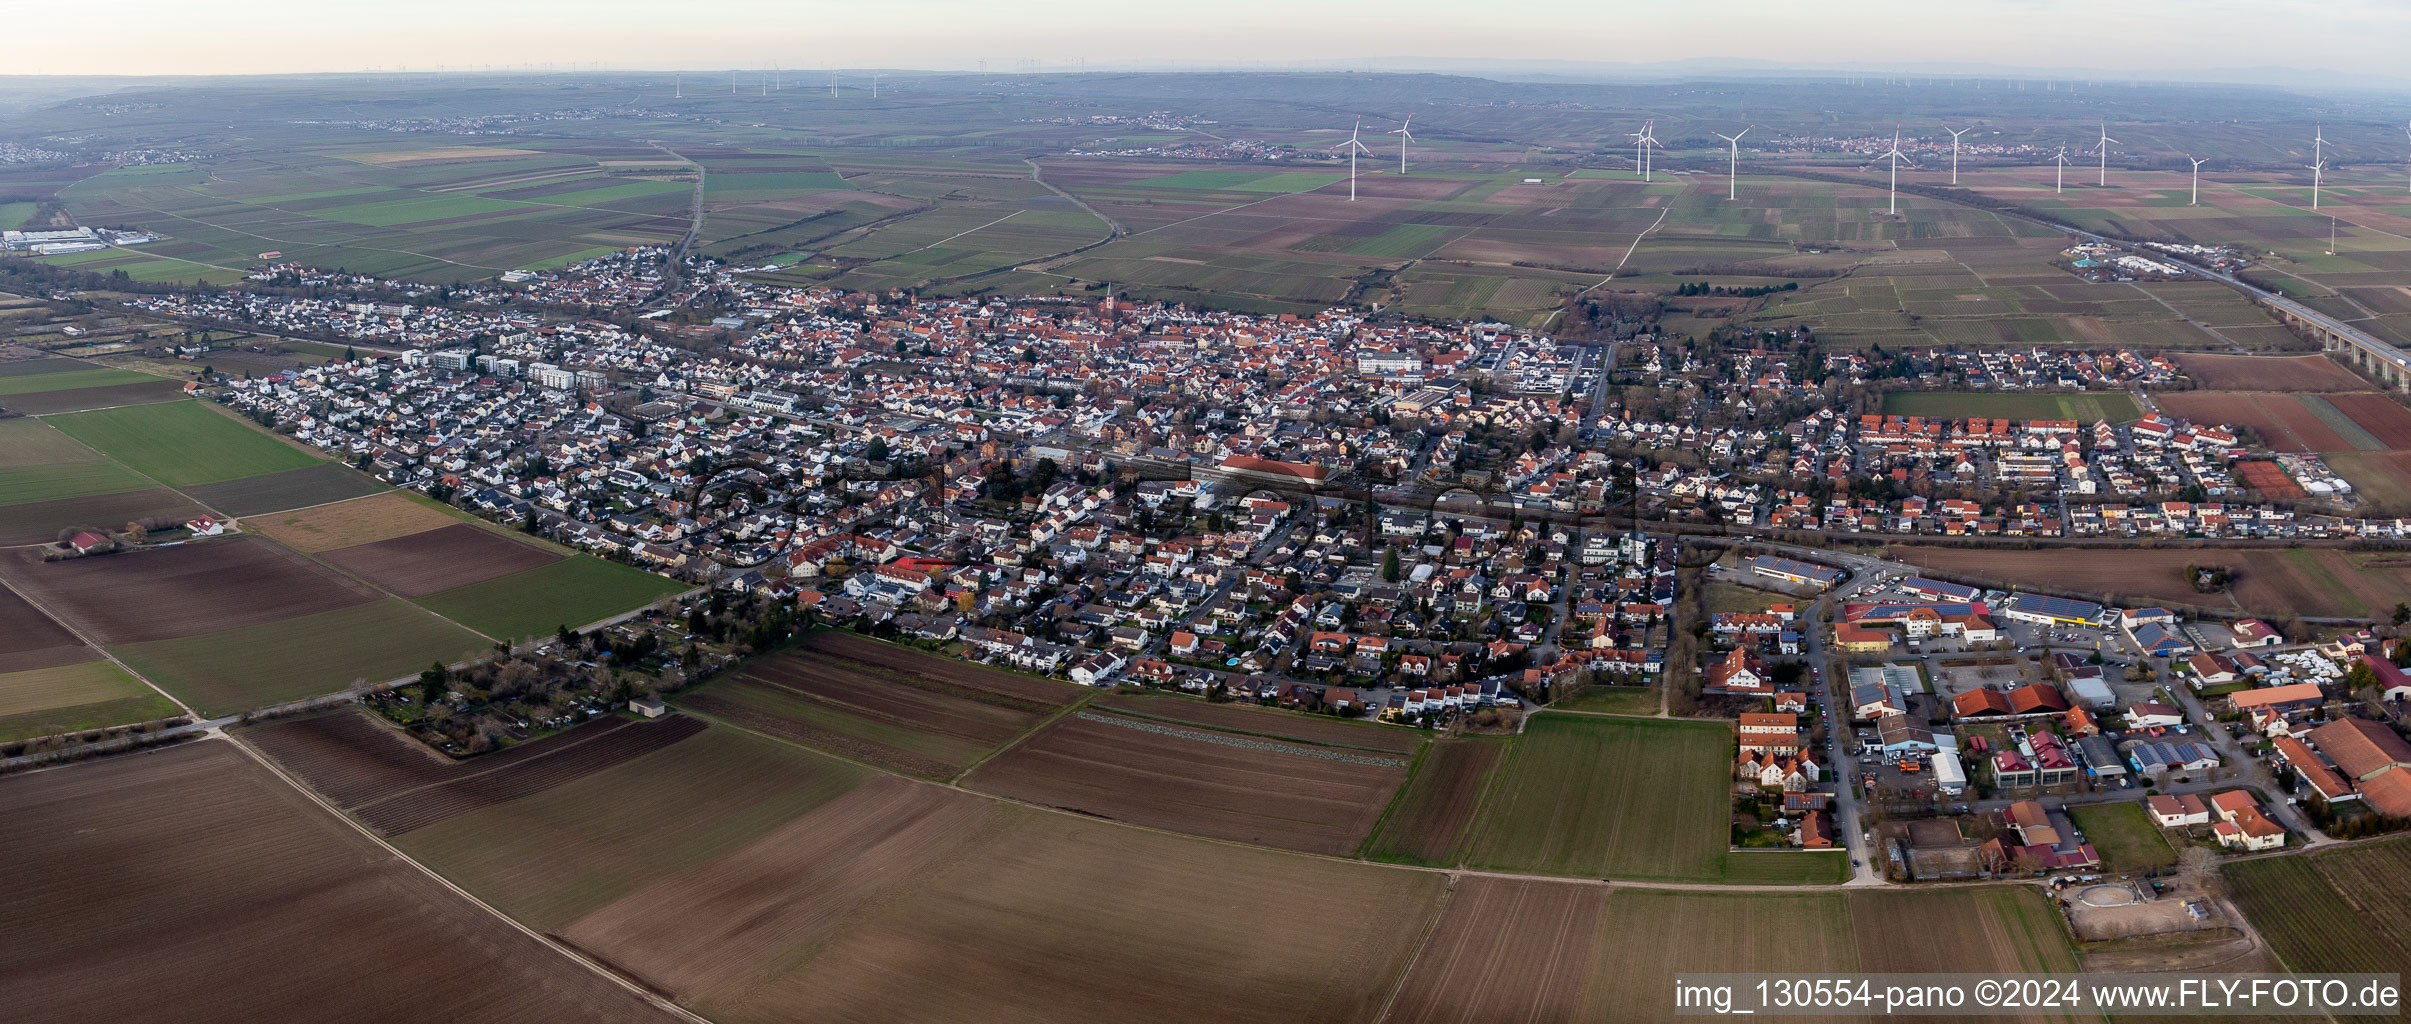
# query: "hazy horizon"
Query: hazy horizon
2148,38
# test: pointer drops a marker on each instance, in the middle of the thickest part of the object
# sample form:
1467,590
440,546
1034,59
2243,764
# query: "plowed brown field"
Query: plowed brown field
1504,951
1219,785
2281,421
2383,417
1426,824
2270,581
191,886
438,560
164,593
2268,373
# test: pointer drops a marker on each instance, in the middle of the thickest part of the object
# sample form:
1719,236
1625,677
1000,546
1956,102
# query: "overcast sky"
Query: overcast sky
268,36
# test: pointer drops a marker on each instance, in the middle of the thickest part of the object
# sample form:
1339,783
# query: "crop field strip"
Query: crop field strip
85,694
918,715
128,876
1218,785
1609,797
420,808
2319,582
1428,821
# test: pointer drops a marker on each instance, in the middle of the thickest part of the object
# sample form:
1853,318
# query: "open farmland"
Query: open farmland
290,489
2386,421
1509,950
1427,822
360,521
67,698
2334,910
1221,785
1623,798
440,559
39,522
917,714
754,881
1259,721
129,877
132,389
2276,582
2114,406
169,592
1514,950
1031,913
574,592
2284,422
182,443
2216,372
302,656
30,639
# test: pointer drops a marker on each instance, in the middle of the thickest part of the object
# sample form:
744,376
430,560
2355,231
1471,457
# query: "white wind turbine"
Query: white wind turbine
1404,137
1955,149
2319,144
1733,167
2105,155
2318,170
1649,134
2059,182
2197,180
1641,141
1354,147
1897,158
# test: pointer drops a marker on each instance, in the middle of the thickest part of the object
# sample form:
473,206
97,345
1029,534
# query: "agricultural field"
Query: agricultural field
437,560
2214,372
750,880
2334,910
1259,721
1514,950
170,592
39,522
128,875
2275,582
1429,820
892,708
72,697
2124,834
574,592
378,517
290,489
287,659
2114,406
1200,781
1624,798
182,443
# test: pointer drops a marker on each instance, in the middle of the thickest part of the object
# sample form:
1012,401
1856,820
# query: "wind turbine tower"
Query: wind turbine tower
1355,147
1640,151
1733,164
2105,155
1649,134
1955,145
2059,181
2318,170
2197,180
677,86
1404,137
1896,157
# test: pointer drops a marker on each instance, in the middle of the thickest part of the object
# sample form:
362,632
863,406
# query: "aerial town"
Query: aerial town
1339,543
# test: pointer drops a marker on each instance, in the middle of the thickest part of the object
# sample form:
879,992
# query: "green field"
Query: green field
25,484
86,695
1624,798
572,592
2117,407
271,663
71,380
567,258
438,206
25,441
722,186
182,443
2123,835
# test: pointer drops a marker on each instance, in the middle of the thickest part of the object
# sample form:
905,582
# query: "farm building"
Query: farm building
2051,611
2254,633
1795,571
1949,776
2290,697
2162,758
2177,810
647,706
